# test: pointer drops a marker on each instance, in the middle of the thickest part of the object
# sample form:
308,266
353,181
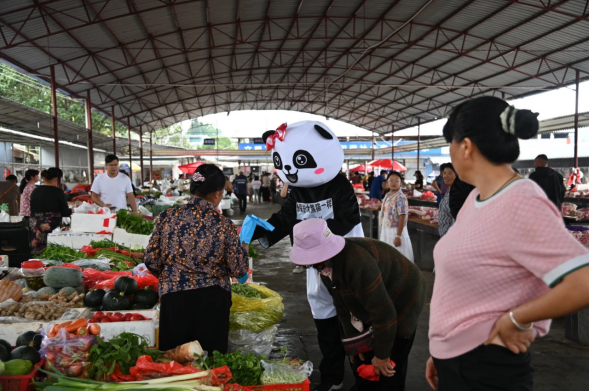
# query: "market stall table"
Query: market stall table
422,203
424,237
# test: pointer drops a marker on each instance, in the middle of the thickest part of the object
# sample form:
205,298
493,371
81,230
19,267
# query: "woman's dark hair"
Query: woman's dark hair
448,166
256,178
480,120
50,173
28,175
419,175
214,181
395,173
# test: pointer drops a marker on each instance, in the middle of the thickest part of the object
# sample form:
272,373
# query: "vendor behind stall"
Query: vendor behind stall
194,251
48,206
113,189
377,292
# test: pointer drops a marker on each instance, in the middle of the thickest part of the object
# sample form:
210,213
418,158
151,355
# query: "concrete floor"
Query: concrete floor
559,364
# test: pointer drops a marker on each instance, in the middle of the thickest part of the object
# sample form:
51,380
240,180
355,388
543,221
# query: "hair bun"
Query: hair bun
526,124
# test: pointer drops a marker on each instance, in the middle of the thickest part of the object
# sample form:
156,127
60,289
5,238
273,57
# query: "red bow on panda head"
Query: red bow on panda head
279,134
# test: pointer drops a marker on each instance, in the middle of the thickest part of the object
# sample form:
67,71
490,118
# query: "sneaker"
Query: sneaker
299,270
329,387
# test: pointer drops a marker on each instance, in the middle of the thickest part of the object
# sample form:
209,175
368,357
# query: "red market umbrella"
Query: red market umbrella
387,164
191,167
360,168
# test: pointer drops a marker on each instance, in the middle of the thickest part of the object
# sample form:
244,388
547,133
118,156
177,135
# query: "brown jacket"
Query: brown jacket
9,194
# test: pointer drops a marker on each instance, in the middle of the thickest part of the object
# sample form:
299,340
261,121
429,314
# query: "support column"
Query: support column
114,133
576,155
393,146
90,138
141,153
54,117
373,143
151,155
418,140
130,153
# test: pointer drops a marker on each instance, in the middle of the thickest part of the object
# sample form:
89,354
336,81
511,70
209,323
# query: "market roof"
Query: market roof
376,64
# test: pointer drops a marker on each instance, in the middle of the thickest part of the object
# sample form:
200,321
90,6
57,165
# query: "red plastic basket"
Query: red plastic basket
21,383
304,386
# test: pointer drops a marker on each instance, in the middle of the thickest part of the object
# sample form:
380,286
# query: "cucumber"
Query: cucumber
59,277
18,367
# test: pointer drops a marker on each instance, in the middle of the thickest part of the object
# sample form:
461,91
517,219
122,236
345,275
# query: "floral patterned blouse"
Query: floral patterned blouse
194,246
25,199
393,206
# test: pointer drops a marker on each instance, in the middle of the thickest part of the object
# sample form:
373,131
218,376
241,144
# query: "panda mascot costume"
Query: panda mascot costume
308,157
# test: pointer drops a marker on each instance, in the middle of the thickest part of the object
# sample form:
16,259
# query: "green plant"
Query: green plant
246,369
134,224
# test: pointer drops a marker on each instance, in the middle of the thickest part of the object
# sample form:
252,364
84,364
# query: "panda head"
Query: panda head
310,154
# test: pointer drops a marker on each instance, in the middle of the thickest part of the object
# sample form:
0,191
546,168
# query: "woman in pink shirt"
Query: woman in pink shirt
27,186
506,267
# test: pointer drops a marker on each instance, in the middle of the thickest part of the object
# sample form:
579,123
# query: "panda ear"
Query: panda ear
267,134
323,132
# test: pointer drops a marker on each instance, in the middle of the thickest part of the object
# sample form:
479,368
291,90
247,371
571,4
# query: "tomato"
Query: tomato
137,317
128,316
109,314
117,317
94,320
106,319
94,329
125,252
99,315
140,315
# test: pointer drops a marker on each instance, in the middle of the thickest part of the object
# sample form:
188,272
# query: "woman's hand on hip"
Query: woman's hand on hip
515,340
397,242
431,374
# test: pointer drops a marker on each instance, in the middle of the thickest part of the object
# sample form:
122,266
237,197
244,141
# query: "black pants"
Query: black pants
242,202
399,355
181,318
332,350
489,367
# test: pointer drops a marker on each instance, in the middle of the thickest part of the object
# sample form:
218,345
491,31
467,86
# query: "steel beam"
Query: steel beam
151,155
114,132
576,154
54,116
141,154
90,138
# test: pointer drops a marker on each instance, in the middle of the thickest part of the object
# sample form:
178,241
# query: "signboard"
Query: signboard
258,140
350,146
228,171
255,169
209,142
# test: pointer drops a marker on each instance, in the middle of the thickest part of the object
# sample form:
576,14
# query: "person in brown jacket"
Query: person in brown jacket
10,195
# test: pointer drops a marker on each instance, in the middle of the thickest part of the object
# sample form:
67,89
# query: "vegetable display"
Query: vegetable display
10,290
60,277
134,224
245,290
246,369
46,312
61,253
118,261
122,350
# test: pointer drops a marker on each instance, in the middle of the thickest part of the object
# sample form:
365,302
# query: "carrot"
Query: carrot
79,323
82,332
61,326
94,329
52,332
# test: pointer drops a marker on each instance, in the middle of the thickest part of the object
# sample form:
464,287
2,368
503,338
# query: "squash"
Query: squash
147,297
46,290
59,277
113,300
81,289
94,298
18,367
68,291
6,344
4,354
25,338
126,285
10,290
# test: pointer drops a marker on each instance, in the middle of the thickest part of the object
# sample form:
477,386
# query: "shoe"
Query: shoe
299,270
329,387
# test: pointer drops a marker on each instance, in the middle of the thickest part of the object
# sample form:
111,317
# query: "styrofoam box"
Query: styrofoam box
11,332
89,223
63,239
121,237
145,328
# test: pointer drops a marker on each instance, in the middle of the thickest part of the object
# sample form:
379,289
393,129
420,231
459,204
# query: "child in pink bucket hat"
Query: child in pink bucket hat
373,283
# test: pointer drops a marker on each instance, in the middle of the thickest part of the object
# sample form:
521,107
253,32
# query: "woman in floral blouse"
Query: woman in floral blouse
393,217
194,251
27,186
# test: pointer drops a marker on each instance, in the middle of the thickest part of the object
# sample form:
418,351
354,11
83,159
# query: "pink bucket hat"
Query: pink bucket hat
314,243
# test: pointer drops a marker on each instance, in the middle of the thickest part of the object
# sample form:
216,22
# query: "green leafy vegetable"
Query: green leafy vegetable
246,369
252,252
61,253
245,290
118,261
105,244
134,224
123,350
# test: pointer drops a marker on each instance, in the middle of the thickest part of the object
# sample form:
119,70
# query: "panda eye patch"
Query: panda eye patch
303,160
277,161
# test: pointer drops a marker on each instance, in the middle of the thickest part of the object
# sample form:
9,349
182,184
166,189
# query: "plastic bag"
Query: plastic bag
142,282
256,343
284,373
144,211
100,264
249,226
367,372
67,352
93,276
254,314
140,270
4,217
145,368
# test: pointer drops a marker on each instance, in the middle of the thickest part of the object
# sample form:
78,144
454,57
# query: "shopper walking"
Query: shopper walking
376,186
378,293
241,189
551,182
113,189
506,268
48,207
256,185
393,217
273,181
445,218
27,186
194,251
266,187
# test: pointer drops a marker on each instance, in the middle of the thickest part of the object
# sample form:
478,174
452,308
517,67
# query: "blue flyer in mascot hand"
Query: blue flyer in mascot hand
249,226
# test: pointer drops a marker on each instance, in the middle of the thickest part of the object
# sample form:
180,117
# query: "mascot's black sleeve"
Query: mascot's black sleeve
337,193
